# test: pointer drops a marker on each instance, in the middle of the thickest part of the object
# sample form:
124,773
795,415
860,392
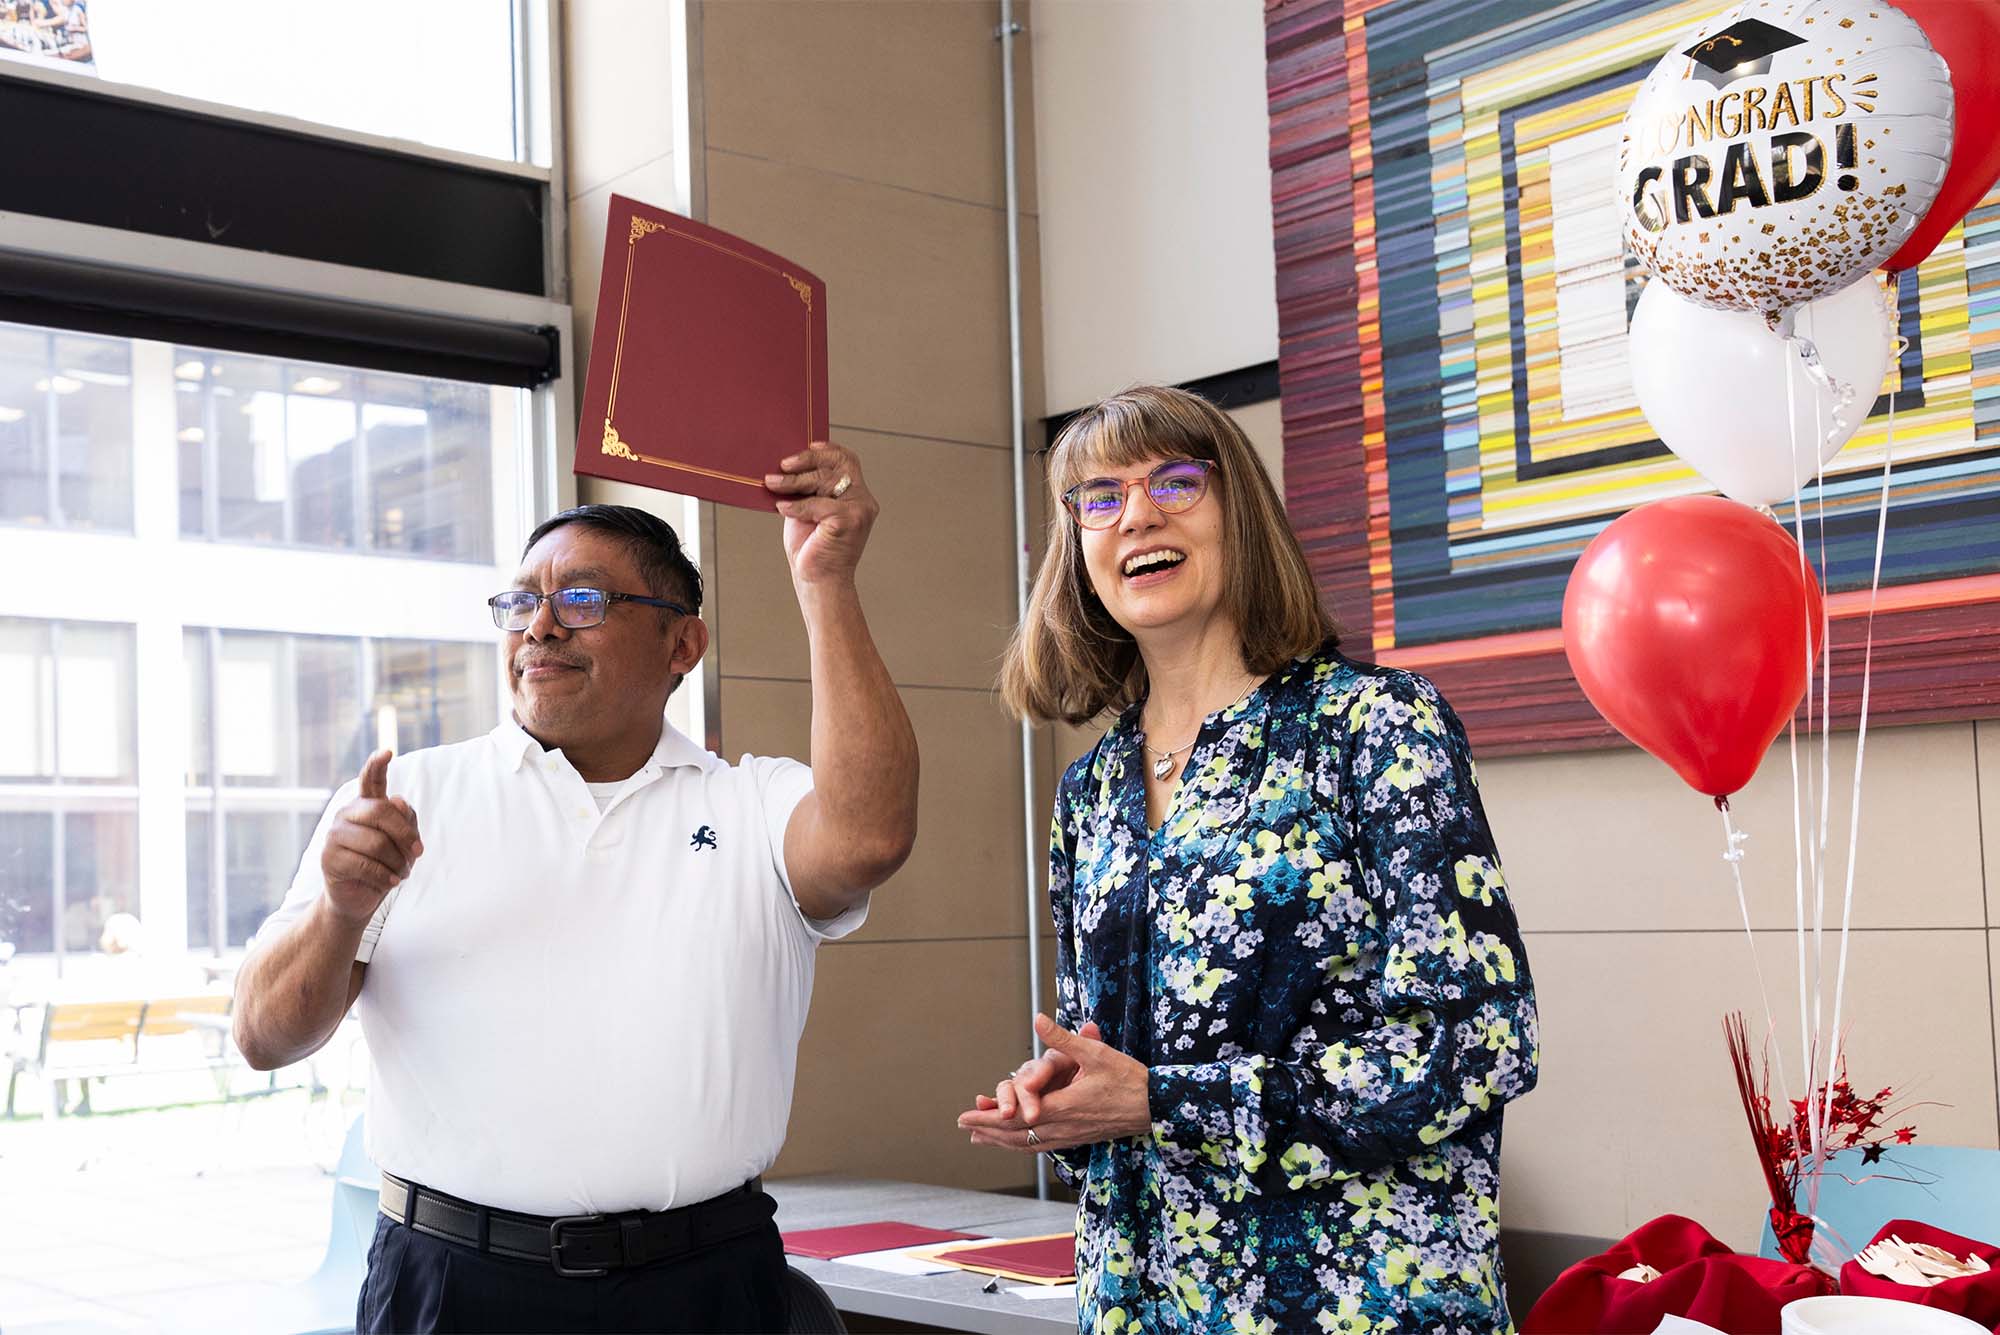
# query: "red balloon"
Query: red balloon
1967,34
1686,623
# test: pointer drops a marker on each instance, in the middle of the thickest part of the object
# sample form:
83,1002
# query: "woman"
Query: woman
1280,921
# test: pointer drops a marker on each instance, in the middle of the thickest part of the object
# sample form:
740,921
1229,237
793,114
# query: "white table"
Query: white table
951,1301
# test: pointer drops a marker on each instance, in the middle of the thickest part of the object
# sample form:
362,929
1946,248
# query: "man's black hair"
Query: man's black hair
663,562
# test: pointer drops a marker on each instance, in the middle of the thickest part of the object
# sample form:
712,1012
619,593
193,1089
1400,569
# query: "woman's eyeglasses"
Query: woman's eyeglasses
577,609
1174,487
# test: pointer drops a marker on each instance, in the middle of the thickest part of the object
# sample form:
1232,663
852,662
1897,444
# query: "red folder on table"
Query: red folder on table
708,360
1049,1259
830,1244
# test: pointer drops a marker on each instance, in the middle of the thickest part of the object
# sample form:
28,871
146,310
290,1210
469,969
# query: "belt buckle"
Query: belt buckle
556,1247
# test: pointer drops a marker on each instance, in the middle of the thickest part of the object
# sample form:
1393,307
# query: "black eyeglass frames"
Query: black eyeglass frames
575,609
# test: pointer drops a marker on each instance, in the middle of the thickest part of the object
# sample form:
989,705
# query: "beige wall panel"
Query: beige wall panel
1993,996
651,182
1613,839
906,92
617,102
766,718
1028,168
937,579
1987,738
916,293
761,633
900,1039
1155,205
1034,391
964,877
1072,740
1265,426
1637,1114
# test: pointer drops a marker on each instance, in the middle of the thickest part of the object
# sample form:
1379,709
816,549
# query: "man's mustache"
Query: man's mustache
545,658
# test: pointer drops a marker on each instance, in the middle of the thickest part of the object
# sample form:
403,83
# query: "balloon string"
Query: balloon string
1826,1049
1804,848
1867,670
1792,753
1733,854
1798,896
1842,393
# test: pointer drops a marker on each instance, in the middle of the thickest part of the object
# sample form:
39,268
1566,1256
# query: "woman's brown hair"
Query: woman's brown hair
1068,659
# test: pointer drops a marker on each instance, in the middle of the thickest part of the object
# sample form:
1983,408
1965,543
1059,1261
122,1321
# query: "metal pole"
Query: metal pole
1030,817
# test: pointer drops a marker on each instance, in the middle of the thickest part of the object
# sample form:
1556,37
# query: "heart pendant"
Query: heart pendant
1163,767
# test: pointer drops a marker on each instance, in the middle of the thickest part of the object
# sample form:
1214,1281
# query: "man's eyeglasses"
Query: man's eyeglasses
1175,486
576,609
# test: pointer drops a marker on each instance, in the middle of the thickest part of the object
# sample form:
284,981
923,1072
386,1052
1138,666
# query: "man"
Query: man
582,946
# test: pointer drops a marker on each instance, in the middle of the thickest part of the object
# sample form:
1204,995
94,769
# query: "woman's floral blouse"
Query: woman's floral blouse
1315,956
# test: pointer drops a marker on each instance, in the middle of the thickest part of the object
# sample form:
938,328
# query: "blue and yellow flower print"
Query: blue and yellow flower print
1316,958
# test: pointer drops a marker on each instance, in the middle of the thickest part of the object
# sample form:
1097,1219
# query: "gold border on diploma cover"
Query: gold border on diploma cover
614,445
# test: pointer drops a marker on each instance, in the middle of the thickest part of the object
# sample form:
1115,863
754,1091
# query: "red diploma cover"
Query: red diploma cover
830,1244
1050,1258
708,361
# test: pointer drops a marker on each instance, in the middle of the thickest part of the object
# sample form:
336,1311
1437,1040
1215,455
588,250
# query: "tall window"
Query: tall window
438,74
283,386
275,724
68,775
238,576
317,456
65,429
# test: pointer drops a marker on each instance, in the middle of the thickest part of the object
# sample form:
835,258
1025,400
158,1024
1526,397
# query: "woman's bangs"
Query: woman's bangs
1120,435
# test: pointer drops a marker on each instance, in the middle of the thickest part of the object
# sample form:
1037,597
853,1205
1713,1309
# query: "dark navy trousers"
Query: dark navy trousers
418,1284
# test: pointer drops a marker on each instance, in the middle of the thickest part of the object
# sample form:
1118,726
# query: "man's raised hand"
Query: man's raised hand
372,846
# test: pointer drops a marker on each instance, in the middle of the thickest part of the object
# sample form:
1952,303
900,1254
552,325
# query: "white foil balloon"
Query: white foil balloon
1712,383
1784,149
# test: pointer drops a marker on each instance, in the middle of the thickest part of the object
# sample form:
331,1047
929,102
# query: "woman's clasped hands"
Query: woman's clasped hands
1078,1092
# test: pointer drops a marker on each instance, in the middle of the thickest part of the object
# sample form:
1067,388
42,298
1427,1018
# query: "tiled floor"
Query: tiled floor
163,1221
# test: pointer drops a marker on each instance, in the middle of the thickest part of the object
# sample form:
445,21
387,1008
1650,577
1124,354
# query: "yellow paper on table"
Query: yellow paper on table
1047,1259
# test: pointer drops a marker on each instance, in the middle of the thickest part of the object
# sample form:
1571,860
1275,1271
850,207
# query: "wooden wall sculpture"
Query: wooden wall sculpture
1459,423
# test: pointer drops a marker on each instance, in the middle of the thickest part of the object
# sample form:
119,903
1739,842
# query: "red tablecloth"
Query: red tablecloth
1700,1279
1975,1297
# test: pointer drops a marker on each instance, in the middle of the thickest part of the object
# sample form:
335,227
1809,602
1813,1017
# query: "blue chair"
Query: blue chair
324,1302
1955,1188
357,1188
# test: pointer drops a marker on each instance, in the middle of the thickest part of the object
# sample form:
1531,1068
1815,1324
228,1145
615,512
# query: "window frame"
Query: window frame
536,68
143,125
58,796
366,481
55,515
213,799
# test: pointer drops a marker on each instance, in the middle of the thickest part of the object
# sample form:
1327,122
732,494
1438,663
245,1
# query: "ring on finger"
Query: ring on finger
840,487
1033,1139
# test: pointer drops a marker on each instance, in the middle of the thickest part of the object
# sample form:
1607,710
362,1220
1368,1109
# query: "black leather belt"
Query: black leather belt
579,1246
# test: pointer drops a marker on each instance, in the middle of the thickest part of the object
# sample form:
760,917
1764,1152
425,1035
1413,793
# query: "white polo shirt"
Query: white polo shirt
572,1011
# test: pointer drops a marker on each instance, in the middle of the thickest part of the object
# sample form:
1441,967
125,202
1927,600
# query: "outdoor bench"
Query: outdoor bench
96,1040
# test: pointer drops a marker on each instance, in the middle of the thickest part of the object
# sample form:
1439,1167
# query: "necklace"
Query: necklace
1164,766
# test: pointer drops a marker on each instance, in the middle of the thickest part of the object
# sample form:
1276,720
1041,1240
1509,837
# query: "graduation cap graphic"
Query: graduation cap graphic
1742,49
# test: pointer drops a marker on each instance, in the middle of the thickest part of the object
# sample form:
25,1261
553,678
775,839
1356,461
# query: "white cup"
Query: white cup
1845,1314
